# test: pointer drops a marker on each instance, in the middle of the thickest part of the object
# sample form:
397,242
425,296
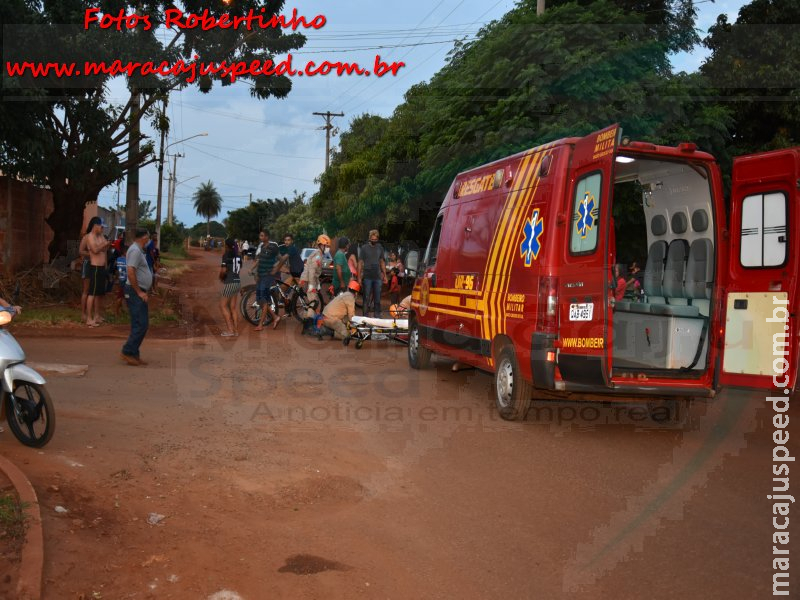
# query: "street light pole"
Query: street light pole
172,183
161,183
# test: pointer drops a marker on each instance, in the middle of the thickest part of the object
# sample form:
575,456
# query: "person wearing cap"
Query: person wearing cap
312,272
98,246
340,310
153,256
140,280
372,273
231,282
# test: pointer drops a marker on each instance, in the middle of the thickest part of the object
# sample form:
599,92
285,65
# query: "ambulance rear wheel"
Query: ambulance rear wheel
512,392
418,356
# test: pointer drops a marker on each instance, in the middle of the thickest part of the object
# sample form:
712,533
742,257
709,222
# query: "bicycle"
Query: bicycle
295,302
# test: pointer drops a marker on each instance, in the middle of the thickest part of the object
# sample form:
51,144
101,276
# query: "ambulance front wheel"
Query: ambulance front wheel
418,356
512,392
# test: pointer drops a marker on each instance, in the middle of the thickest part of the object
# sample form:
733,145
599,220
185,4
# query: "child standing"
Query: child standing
394,286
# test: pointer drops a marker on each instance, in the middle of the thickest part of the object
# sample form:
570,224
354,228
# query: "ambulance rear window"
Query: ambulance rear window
585,214
763,230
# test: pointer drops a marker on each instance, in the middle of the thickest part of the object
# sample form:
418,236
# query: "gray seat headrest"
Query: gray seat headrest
700,220
658,225
679,223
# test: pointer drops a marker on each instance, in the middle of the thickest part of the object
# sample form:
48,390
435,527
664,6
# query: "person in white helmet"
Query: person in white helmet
312,272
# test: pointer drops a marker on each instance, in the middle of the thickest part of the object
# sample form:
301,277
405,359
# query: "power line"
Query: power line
261,153
196,149
419,64
382,47
357,83
243,118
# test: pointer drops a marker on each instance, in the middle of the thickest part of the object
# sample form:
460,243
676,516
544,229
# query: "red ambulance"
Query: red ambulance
517,278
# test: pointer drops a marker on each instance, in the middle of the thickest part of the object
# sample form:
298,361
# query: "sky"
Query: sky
274,148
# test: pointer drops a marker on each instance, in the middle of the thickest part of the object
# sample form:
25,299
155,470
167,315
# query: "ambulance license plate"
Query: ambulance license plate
581,312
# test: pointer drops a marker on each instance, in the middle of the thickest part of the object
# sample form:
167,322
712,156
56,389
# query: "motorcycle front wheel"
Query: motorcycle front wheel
30,414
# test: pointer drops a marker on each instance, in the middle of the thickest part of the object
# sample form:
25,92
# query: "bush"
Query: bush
170,237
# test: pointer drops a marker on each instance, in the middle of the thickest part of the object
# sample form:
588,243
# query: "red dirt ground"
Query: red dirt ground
285,467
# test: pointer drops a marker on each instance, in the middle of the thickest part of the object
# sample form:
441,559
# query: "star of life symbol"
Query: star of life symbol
532,244
586,215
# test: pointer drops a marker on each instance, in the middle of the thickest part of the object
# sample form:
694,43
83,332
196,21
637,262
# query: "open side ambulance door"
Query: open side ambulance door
761,297
584,311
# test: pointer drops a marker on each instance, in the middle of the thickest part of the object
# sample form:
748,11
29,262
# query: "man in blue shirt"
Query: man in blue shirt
269,261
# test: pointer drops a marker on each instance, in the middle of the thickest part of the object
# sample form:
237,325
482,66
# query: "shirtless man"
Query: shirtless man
98,271
83,251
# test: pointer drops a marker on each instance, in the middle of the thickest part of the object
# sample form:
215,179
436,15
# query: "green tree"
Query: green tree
72,137
245,223
214,228
526,80
172,236
146,209
755,69
207,203
301,222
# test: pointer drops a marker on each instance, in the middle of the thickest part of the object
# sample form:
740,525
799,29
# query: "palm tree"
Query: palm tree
207,203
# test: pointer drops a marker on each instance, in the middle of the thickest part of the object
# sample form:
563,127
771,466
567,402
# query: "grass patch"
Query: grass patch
12,519
179,253
54,316
176,264
49,315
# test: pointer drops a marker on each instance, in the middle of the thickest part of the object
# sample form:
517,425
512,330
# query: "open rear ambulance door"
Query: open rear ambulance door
584,317
761,297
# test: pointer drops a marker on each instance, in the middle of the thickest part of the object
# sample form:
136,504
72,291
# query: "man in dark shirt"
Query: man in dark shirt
294,264
372,273
268,263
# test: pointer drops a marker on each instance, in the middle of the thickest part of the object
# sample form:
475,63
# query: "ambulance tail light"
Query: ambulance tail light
548,305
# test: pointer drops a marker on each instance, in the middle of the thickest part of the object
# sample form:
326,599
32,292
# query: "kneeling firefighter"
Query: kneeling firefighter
336,315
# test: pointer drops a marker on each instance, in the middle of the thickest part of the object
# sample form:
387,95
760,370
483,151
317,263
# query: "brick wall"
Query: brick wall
24,234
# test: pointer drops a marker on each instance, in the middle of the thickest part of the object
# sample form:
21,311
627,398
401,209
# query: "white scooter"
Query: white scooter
24,401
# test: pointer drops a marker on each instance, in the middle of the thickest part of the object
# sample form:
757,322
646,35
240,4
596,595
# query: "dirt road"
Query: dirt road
276,466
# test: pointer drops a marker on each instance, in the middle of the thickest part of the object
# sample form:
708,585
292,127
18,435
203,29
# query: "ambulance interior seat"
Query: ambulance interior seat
677,304
700,266
653,271
668,330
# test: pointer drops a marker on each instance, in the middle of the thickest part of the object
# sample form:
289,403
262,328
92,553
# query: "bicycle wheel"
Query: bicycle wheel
243,294
298,307
30,414
251,309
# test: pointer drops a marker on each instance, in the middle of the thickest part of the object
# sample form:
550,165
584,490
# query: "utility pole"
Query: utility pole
172,185
132,188
162,123
328,127
539,7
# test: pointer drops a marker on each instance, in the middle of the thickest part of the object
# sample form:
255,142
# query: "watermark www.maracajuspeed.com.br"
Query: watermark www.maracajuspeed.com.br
191,71
781,500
